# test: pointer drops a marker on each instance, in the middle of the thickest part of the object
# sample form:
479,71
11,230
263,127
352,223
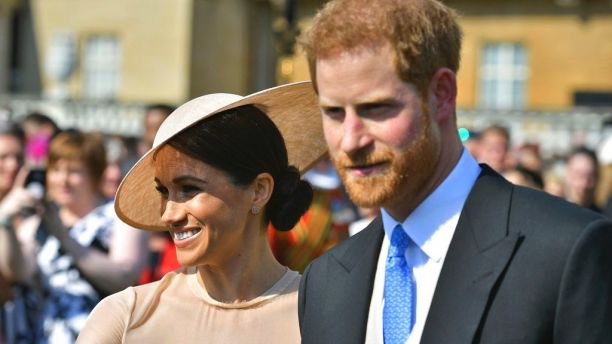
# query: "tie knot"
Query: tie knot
399,242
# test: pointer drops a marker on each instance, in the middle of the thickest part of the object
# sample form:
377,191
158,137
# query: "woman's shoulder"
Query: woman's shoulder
108,321
129,308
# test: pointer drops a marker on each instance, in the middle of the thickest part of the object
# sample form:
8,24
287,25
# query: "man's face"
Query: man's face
153,120
581,179
493,150
379,132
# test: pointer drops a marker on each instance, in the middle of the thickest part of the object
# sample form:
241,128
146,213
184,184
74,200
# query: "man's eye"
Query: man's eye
375,108
333,112
378,110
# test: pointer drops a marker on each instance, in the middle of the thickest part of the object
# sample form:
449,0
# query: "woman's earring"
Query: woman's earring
255,210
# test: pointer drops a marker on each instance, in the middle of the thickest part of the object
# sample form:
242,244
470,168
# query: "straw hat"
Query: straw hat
293,108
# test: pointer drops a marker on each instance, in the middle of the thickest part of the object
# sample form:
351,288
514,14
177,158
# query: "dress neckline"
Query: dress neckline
278,288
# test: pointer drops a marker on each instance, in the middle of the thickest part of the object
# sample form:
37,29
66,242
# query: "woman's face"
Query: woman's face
70,183
207,215
11,160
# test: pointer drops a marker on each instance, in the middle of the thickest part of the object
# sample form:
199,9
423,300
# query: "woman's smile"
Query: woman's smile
182,238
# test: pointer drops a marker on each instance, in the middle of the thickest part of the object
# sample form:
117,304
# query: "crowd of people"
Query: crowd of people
579,176
212,201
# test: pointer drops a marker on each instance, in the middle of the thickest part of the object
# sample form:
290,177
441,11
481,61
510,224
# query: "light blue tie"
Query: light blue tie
400,291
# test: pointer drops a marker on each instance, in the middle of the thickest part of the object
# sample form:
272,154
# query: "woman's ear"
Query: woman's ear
263,185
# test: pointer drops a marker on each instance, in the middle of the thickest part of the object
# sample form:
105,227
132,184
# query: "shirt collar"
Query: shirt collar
441,208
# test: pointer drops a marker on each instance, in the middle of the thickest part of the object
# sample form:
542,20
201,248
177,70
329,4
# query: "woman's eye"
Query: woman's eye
162,190
189,189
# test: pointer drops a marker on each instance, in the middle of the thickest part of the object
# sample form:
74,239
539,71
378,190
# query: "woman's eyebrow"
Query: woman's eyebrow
187,178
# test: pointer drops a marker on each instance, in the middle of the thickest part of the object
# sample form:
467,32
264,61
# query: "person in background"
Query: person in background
581,177
493,147
218,173
458,254
12,141
15,325
524,177
472,144
528,168
604,189
367,214
116,157
553,177
528,156
155,115
78,252
39,130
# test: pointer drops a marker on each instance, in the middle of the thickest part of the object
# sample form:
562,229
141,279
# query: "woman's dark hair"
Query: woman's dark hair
243,142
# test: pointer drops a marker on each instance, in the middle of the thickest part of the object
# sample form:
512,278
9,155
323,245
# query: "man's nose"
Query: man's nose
355,132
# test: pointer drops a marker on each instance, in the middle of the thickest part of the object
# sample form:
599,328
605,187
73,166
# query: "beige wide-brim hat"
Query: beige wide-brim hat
293,108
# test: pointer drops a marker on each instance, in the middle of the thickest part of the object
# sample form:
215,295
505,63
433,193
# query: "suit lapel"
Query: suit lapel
351,270
478,254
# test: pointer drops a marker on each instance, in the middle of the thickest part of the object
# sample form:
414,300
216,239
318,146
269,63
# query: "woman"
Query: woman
217,174
76,255
14,323
12,140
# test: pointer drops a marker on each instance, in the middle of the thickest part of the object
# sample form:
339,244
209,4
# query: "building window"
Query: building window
503,76
102,67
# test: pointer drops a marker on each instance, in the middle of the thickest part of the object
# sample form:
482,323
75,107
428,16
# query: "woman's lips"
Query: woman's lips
183,237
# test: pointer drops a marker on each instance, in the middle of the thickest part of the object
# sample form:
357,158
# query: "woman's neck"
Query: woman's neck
248,276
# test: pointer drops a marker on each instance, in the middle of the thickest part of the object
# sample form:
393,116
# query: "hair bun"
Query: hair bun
291,200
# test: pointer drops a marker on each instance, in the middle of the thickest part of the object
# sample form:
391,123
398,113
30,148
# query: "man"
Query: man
581,176
494,145
162,256
154,116
458,255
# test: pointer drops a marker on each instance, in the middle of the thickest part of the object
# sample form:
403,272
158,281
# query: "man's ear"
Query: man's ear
443,94
263,185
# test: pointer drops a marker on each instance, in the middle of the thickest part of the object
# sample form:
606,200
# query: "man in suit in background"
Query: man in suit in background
458,254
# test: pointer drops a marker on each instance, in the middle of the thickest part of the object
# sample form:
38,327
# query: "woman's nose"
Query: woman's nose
173,213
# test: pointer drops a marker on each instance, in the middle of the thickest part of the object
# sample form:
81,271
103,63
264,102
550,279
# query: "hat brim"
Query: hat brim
293,108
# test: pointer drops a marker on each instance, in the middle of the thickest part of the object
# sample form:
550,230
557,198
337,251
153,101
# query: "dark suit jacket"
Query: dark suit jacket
522,267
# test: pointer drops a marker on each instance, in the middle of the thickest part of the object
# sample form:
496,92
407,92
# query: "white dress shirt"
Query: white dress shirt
431,226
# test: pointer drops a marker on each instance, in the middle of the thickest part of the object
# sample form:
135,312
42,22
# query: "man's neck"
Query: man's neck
402,206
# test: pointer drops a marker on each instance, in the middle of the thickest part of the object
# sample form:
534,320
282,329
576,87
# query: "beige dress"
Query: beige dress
177,309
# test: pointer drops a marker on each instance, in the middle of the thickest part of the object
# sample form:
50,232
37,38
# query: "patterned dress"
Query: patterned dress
68,297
